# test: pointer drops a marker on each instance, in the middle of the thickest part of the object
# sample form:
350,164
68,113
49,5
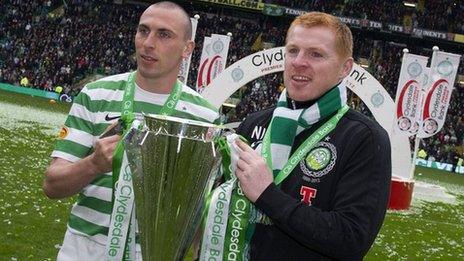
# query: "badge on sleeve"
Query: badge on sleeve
63,132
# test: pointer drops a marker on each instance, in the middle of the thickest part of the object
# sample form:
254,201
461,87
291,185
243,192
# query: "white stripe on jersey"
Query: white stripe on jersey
196,110
115,78
189,90
99,192
81,137
98,94
98,238
64,155
149,97
80,111
90,215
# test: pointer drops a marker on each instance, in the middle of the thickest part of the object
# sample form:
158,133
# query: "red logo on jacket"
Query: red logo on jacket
307,194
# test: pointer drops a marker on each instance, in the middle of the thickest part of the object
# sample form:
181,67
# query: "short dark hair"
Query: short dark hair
185,15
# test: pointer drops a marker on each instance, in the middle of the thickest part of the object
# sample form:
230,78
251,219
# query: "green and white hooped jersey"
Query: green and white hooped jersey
98,105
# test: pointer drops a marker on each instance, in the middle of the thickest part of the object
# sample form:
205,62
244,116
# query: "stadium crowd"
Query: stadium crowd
52,45
439,15
52,49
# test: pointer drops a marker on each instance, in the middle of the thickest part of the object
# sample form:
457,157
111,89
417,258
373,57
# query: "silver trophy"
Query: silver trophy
173,162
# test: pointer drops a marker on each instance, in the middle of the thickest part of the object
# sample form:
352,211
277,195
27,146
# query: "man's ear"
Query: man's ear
346,68
189,46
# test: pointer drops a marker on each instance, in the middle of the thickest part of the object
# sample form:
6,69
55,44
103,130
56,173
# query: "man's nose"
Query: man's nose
300,60
150,41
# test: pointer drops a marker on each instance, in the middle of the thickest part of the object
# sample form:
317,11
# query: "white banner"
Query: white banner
443,70
204,60
409,93
185,65
418,117
214,60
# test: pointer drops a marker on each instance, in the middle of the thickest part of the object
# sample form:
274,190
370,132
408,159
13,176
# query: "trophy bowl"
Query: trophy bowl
173,162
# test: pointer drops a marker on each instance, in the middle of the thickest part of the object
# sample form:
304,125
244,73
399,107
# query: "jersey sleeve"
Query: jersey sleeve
77,135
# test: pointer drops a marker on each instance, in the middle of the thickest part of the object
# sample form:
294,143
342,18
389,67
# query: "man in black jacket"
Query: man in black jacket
321,174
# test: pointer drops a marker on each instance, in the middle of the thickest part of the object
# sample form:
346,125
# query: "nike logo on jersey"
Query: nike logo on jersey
108,118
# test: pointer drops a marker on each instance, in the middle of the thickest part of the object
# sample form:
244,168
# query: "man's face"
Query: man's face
160,42
312,65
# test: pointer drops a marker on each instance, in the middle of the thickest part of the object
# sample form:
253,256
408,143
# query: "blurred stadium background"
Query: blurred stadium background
67,43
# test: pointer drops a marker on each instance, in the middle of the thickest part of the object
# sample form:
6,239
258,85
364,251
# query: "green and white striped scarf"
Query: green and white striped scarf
287,123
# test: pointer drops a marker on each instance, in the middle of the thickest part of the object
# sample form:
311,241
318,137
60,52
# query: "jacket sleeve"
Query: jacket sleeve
359,201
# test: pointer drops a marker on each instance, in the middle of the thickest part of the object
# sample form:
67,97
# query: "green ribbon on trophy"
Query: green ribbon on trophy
121,234
230,220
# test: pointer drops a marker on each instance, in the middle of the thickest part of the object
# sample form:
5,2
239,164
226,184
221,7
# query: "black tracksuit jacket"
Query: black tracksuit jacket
328,213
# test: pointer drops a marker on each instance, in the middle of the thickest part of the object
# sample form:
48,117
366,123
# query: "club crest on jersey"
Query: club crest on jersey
319,161
63,132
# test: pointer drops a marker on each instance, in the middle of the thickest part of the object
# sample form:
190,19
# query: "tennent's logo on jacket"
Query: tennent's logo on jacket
319,161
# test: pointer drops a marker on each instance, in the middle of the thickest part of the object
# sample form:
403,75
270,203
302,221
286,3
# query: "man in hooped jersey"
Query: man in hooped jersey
82,158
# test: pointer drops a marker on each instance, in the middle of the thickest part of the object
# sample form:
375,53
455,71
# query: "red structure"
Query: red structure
400,194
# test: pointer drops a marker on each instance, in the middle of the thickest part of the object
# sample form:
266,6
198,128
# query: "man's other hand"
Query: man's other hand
252,171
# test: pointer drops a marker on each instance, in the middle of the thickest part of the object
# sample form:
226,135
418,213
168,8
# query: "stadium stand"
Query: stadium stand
60,43
440,15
